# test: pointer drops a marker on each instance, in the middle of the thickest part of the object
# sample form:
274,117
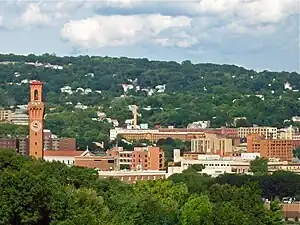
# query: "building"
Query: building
66,157
141,158
212,144
156,134
267,132
52,142
199,125
36,110
8,143
148,158
101,163
124,158
270,148
23,146
216,165
5,115
19,118
133,176
223,131
66,144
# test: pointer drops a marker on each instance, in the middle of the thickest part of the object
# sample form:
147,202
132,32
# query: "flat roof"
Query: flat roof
131,173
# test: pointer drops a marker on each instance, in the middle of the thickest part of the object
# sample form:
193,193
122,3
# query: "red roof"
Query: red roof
62,153
36,82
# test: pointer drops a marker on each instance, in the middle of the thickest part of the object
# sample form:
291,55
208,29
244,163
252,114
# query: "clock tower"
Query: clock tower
36,110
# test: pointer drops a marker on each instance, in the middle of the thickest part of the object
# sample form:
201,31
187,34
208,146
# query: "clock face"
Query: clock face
36,126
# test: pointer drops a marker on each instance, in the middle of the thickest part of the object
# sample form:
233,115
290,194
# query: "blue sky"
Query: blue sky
257,34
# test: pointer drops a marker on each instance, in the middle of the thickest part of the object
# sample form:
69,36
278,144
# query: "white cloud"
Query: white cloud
101,31
34,16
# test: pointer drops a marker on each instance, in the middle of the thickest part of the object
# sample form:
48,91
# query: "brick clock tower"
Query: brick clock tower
36,110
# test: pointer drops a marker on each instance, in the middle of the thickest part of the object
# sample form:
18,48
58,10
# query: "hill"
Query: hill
167,93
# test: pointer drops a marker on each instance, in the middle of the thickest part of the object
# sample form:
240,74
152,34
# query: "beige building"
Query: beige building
267,132
5,115
212,144
19,118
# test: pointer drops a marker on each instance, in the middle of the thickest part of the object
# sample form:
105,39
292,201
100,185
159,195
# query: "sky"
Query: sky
256,34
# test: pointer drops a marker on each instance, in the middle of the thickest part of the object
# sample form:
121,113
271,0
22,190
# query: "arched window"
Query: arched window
36,95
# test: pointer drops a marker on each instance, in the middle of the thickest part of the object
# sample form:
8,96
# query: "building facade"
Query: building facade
5,115
157,134
52,142
133,176
100,163
212,144
8,143
141,158
266,132
270,148
66,157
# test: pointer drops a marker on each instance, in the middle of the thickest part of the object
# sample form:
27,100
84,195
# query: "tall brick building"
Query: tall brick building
141,158
270,148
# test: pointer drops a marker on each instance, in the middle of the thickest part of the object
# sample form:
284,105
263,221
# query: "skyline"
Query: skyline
255,34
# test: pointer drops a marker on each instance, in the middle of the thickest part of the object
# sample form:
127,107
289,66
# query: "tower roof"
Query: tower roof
36,82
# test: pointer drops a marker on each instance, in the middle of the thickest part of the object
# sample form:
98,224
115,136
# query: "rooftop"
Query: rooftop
62,153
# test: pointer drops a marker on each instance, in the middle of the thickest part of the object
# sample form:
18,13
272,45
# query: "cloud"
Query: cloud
34,16
101,31
205,30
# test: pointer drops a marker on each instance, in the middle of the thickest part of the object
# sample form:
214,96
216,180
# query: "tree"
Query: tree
259,166
197,210
296,152
274,216
38,192
226,213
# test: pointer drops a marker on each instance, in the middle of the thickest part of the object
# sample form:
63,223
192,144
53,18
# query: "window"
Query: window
36,95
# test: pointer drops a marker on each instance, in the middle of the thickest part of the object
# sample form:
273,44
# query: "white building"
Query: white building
199,124
268,132
66,157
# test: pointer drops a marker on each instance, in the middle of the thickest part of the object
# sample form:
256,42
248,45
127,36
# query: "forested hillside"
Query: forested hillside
192,92
38,192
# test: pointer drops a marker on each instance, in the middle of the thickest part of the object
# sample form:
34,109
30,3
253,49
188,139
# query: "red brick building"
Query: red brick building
101,163
270,148
141,158
148,158
8,143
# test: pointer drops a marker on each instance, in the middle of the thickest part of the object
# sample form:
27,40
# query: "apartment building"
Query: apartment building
267,132
124,158
212,144
5,115
270,148
23,146
148,158
8,143
141,158
52,142
19,118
